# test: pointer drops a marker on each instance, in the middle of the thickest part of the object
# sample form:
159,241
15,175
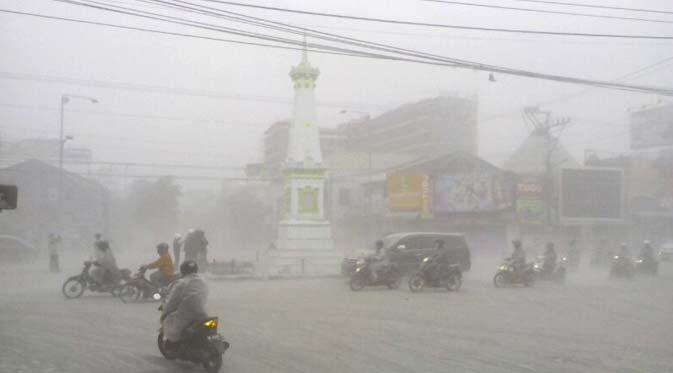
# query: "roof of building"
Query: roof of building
531,156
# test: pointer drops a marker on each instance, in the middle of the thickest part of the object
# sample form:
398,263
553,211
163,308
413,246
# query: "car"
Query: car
16,250
406,250
666,252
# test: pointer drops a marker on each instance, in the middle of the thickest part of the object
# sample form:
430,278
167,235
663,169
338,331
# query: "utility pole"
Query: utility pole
544,127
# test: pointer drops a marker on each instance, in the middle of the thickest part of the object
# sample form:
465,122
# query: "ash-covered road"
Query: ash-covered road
589,324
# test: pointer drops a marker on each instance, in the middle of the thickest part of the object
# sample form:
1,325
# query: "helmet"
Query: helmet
162,247
188,267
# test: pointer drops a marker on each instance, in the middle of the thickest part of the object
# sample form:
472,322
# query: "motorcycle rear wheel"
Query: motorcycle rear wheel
454,282
416,282
394,282
357,283
73,288
129,293
213,362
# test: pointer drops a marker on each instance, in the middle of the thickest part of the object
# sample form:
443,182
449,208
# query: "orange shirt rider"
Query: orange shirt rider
164,265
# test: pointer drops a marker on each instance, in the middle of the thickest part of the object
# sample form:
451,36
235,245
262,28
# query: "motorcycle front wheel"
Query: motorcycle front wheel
416,282
213,362
499,280
162,346
73,288
454,283
129,293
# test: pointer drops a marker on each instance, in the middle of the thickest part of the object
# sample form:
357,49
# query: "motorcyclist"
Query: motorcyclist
105,265
164,265
549,263
378,261
440,259
186,304
518,257
647,252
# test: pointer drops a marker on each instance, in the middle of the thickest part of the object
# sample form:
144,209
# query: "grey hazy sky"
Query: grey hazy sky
227,131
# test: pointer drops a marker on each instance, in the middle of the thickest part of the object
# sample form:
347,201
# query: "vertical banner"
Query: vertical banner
530,203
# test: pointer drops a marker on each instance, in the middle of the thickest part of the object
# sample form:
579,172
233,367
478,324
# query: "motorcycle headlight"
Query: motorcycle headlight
503,267
212,323
426,259
536,266
615,257
358,269
639,261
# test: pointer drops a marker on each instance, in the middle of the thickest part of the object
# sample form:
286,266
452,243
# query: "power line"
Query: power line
490,6
438,25
596,6
446,62
139,116
387,48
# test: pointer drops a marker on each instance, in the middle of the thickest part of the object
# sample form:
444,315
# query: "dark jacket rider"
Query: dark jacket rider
440,258
549,258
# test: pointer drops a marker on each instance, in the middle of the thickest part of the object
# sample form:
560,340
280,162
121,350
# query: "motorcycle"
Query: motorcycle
139,287
390,276
200,343
558,274
451,278
647,266
75,286
506,275
622,267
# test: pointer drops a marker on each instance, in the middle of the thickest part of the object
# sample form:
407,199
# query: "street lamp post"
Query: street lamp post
61,144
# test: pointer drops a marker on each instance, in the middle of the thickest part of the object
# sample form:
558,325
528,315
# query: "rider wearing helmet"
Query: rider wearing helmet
518,256
186,303
164,266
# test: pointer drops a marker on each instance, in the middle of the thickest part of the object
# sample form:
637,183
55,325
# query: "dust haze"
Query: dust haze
379,186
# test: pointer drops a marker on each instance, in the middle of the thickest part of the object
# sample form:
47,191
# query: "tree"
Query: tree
154,209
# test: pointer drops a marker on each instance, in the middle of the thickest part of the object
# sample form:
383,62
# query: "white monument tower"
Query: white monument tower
304,244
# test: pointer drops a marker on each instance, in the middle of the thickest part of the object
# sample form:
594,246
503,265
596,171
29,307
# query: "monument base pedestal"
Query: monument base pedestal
304,248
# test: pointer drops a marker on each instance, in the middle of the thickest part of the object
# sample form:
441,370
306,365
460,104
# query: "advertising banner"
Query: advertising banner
591,195
408,193
479,191
530,202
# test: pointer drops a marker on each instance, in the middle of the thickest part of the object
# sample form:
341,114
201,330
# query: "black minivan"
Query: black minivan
407,249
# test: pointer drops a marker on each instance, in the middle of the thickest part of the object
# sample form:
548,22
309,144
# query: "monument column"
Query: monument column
304,244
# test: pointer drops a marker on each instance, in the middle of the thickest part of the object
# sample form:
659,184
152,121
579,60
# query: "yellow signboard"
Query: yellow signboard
409,193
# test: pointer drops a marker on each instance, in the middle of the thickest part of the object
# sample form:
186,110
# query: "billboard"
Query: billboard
470,192
409,193
652,127
530,199
591,195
